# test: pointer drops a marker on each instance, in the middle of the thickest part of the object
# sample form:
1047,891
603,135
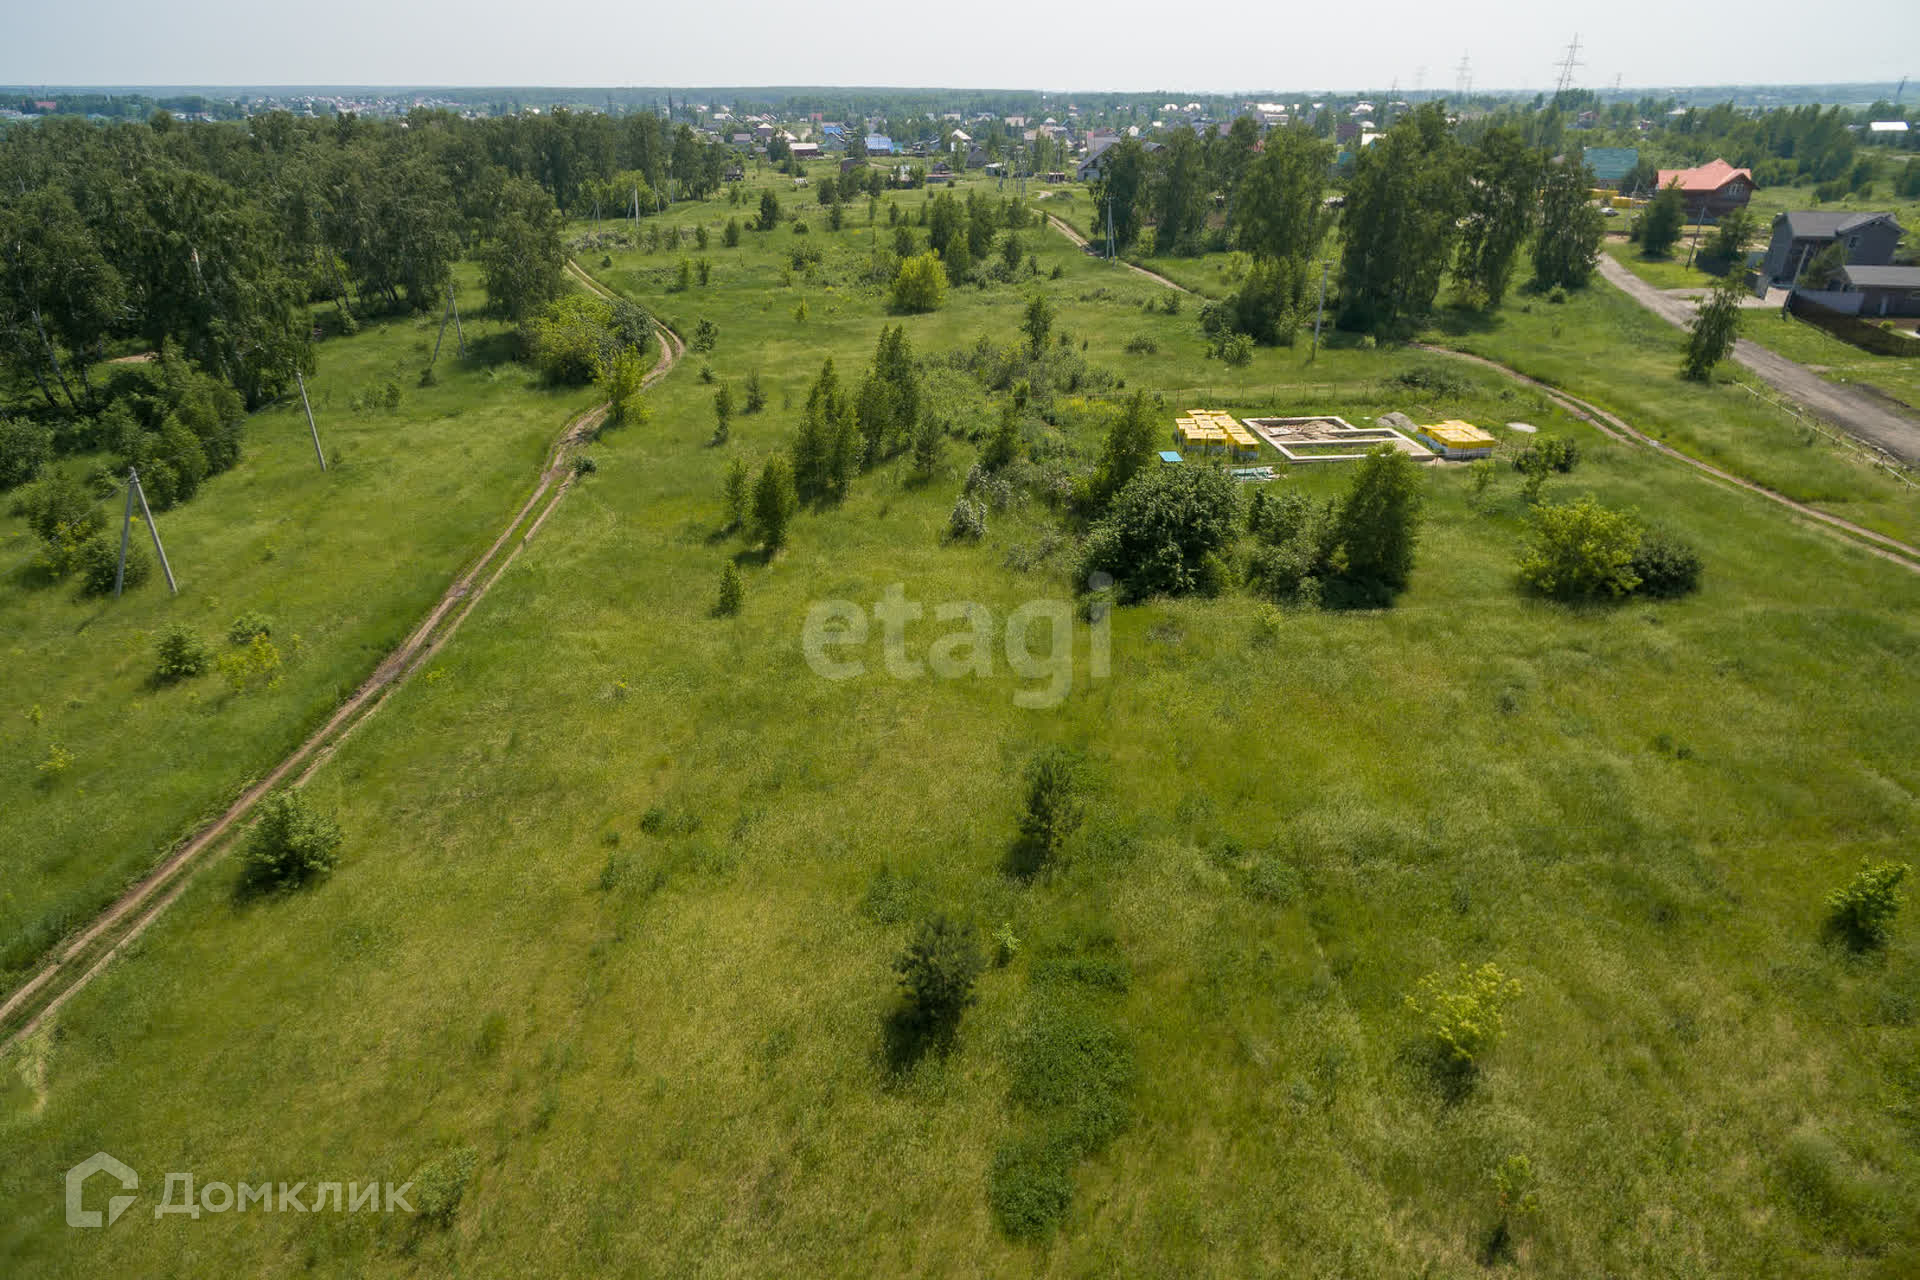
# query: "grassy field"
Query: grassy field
621,889
344,563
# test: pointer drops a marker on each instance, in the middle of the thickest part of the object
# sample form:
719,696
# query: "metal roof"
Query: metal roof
1882,277
1610,164
1821,224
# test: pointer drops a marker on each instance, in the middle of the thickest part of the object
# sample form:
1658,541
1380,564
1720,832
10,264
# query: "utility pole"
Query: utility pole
126,528
1110,253
1320,314
308,406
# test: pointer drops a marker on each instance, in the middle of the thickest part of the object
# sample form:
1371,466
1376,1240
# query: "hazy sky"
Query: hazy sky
1226,45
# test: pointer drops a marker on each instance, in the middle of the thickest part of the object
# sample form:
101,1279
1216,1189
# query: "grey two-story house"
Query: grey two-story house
1799,236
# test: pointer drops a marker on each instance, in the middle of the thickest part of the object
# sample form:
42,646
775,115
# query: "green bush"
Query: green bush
439,1185
968,520
1666,565
291,843
1030,1186
1581,551
1465,1015
97,561
920,284
24,449
732,591
181,653
248,625
937,971
1164,532
1861,912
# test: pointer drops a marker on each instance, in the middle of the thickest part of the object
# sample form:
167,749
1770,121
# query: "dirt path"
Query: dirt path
1853,411
1080,242
61,977
1900,553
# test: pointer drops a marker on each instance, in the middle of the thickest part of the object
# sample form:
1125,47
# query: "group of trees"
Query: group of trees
1417,204
217,237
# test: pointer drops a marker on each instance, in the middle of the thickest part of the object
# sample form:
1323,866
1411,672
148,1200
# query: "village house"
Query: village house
1801,234
1711,190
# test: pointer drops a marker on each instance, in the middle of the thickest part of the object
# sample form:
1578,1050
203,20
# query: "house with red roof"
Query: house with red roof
1713,189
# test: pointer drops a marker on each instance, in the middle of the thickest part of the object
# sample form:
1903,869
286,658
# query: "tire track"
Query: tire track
1080,242
1903,554
63,976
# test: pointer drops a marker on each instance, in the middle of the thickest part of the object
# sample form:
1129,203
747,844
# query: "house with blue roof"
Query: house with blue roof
1610,165
879,144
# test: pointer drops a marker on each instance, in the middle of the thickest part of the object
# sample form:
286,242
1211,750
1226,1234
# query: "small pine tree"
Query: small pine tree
182,654
732,591
937,971
774,501
929,442
1037,324
1659,227
722,413
731,236
756,395
704,267
1053,809
1003,446
737,487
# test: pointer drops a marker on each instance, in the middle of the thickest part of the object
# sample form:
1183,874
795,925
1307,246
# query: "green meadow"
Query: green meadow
609,946
343,563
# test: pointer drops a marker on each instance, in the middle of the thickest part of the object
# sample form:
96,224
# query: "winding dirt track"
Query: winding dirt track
1903,554
1900,553
1081,242
77,961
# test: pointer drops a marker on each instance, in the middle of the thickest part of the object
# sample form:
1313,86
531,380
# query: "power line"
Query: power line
1566,65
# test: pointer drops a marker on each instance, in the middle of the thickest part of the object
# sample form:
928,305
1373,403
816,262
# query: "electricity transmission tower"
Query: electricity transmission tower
1463,78
1566,65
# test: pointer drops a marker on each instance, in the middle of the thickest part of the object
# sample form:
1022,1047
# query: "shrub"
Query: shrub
705,334
255,666
1030,1186
732,591
58,761
1070,1061
24,449
1236,350
756,396
1141,344
291,843
1666,565
1549,454
920,284
1861,912
439,1185
248,625
937,971
1465,1016
968,521
97,561
1163,533
180,654
1581,551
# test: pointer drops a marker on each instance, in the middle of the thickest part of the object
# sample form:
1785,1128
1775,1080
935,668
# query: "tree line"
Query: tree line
1418,206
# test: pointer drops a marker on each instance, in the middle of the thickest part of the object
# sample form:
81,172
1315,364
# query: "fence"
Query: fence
1849,329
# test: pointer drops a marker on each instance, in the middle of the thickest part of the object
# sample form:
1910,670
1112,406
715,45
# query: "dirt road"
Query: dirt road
1081,242
1853,411
62,976
1897,552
